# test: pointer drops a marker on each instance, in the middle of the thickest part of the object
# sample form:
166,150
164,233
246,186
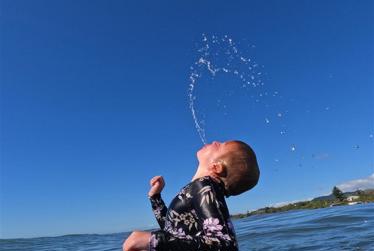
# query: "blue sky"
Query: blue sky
94,102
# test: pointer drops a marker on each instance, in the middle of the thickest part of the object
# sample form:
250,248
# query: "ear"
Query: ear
217,168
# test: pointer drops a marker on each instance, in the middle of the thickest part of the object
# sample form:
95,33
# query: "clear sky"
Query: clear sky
94,102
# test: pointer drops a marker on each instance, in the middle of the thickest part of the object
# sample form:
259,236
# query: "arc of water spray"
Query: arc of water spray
199,129
204,62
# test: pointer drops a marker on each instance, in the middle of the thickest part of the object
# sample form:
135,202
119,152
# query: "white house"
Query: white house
352,198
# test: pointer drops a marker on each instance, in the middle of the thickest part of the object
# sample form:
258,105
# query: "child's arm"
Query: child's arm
211,210
159,209
158,206
139,240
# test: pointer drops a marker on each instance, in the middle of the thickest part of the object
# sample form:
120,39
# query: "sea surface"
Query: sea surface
334,228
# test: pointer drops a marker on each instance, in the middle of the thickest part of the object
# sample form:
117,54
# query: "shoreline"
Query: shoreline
348,198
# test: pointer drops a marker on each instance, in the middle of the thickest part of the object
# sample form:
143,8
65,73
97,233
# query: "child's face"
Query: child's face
210,152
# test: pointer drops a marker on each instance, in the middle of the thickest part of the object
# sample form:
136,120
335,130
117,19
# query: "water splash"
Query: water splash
221,55
199,128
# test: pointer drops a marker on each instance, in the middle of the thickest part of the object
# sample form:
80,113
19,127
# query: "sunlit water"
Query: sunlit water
336,228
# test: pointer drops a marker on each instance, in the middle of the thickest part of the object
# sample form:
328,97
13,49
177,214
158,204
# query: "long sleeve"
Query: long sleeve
216,232
159,209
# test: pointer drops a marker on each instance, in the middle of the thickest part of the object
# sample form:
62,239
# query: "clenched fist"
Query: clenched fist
157,184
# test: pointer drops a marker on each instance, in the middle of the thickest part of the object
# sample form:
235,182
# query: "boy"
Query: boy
198,218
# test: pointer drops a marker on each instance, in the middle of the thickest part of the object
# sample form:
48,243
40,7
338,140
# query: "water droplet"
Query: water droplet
279,114
267,120
218,55
293,148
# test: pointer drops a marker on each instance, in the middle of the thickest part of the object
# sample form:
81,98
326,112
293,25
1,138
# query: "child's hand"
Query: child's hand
157,184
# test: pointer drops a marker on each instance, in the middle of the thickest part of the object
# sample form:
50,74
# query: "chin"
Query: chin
198,153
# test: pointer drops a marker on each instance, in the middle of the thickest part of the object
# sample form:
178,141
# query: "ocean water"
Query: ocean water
335,228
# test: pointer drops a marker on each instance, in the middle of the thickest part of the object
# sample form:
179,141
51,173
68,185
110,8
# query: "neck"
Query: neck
201,172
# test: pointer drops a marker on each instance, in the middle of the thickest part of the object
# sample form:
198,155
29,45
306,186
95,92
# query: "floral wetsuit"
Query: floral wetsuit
197,219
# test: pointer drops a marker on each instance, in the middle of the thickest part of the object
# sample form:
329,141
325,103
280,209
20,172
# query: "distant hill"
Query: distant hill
358,192
364,196
369,191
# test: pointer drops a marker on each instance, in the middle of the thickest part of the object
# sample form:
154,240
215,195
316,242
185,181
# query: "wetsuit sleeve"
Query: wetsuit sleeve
217,233
159,209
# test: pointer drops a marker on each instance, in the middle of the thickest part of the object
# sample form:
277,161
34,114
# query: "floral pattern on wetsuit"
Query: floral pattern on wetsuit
197,219
159,209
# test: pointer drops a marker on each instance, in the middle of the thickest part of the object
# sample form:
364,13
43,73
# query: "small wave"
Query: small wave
340,228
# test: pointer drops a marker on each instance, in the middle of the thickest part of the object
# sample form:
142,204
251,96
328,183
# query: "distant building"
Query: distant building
352,198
